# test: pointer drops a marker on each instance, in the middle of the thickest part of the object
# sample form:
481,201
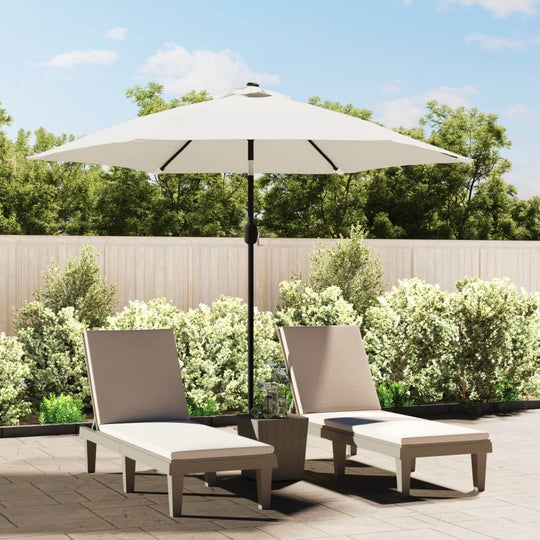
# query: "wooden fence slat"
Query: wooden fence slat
189,271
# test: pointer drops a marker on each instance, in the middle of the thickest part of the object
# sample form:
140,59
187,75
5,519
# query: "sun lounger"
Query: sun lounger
332,385
140,412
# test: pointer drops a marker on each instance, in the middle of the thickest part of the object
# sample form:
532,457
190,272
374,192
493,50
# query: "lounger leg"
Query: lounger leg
175,484
413,464
264,487
210,479
91,456
479,463
340,451
403,473
354,450
128,474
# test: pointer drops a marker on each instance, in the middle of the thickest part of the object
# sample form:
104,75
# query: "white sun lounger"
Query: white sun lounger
140,412
332,385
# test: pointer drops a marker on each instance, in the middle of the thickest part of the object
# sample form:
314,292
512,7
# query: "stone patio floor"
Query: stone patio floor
45,493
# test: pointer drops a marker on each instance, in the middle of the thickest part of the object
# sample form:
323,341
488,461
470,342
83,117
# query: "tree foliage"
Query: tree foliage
349,266
426,201
81,285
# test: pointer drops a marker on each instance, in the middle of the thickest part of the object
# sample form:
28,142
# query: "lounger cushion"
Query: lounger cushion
185,440
135,376
395,428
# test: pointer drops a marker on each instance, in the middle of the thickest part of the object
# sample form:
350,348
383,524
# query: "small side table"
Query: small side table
288,436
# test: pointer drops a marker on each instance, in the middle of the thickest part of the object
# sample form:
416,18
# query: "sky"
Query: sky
66,64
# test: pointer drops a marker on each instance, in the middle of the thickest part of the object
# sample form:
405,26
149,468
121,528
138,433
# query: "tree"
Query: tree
314,205
438,201
8,216
191,204
350,266
425,201
127,205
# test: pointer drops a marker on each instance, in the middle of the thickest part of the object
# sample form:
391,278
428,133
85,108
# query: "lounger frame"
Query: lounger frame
404,454
176,469
120,411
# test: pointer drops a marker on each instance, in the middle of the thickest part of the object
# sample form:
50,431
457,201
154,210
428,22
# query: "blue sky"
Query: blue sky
65,65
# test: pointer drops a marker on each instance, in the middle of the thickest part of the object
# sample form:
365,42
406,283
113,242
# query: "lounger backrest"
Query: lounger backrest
328,369
134,376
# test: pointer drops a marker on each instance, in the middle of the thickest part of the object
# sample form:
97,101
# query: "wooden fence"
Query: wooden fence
189,271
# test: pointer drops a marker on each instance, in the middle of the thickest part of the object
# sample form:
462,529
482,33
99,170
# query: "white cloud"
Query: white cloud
454,96
495,43
522,113
118,33
390,87
400,112
407,111
180,70
76,58
500,8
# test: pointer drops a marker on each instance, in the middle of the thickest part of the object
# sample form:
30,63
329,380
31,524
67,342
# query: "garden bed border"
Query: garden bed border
431,411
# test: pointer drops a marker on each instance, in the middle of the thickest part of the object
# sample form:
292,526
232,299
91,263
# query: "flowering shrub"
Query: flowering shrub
498,345
410,340
303,306
350,266
53,350
481,343
155,314
212,348
81,285
13,371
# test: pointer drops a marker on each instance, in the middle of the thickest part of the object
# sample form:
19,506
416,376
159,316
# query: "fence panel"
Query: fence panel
189,271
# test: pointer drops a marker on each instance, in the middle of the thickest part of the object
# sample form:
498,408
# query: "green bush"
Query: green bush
506,391
13,372
350,266
303,306
498,342
53,350
410,339
394,395
208,408
80,285
212,348
60,409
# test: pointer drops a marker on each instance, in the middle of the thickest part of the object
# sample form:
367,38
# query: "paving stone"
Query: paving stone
194,535
499,526
420,534
187,529
121,534
25,495
248,534
39,537
132,516
55,518
353,526
293,531
45,490
5,526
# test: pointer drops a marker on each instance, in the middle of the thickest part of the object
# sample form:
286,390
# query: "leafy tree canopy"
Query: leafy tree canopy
426,201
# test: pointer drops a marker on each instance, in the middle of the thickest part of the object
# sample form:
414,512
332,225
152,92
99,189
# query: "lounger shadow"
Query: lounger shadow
140,411
332,385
